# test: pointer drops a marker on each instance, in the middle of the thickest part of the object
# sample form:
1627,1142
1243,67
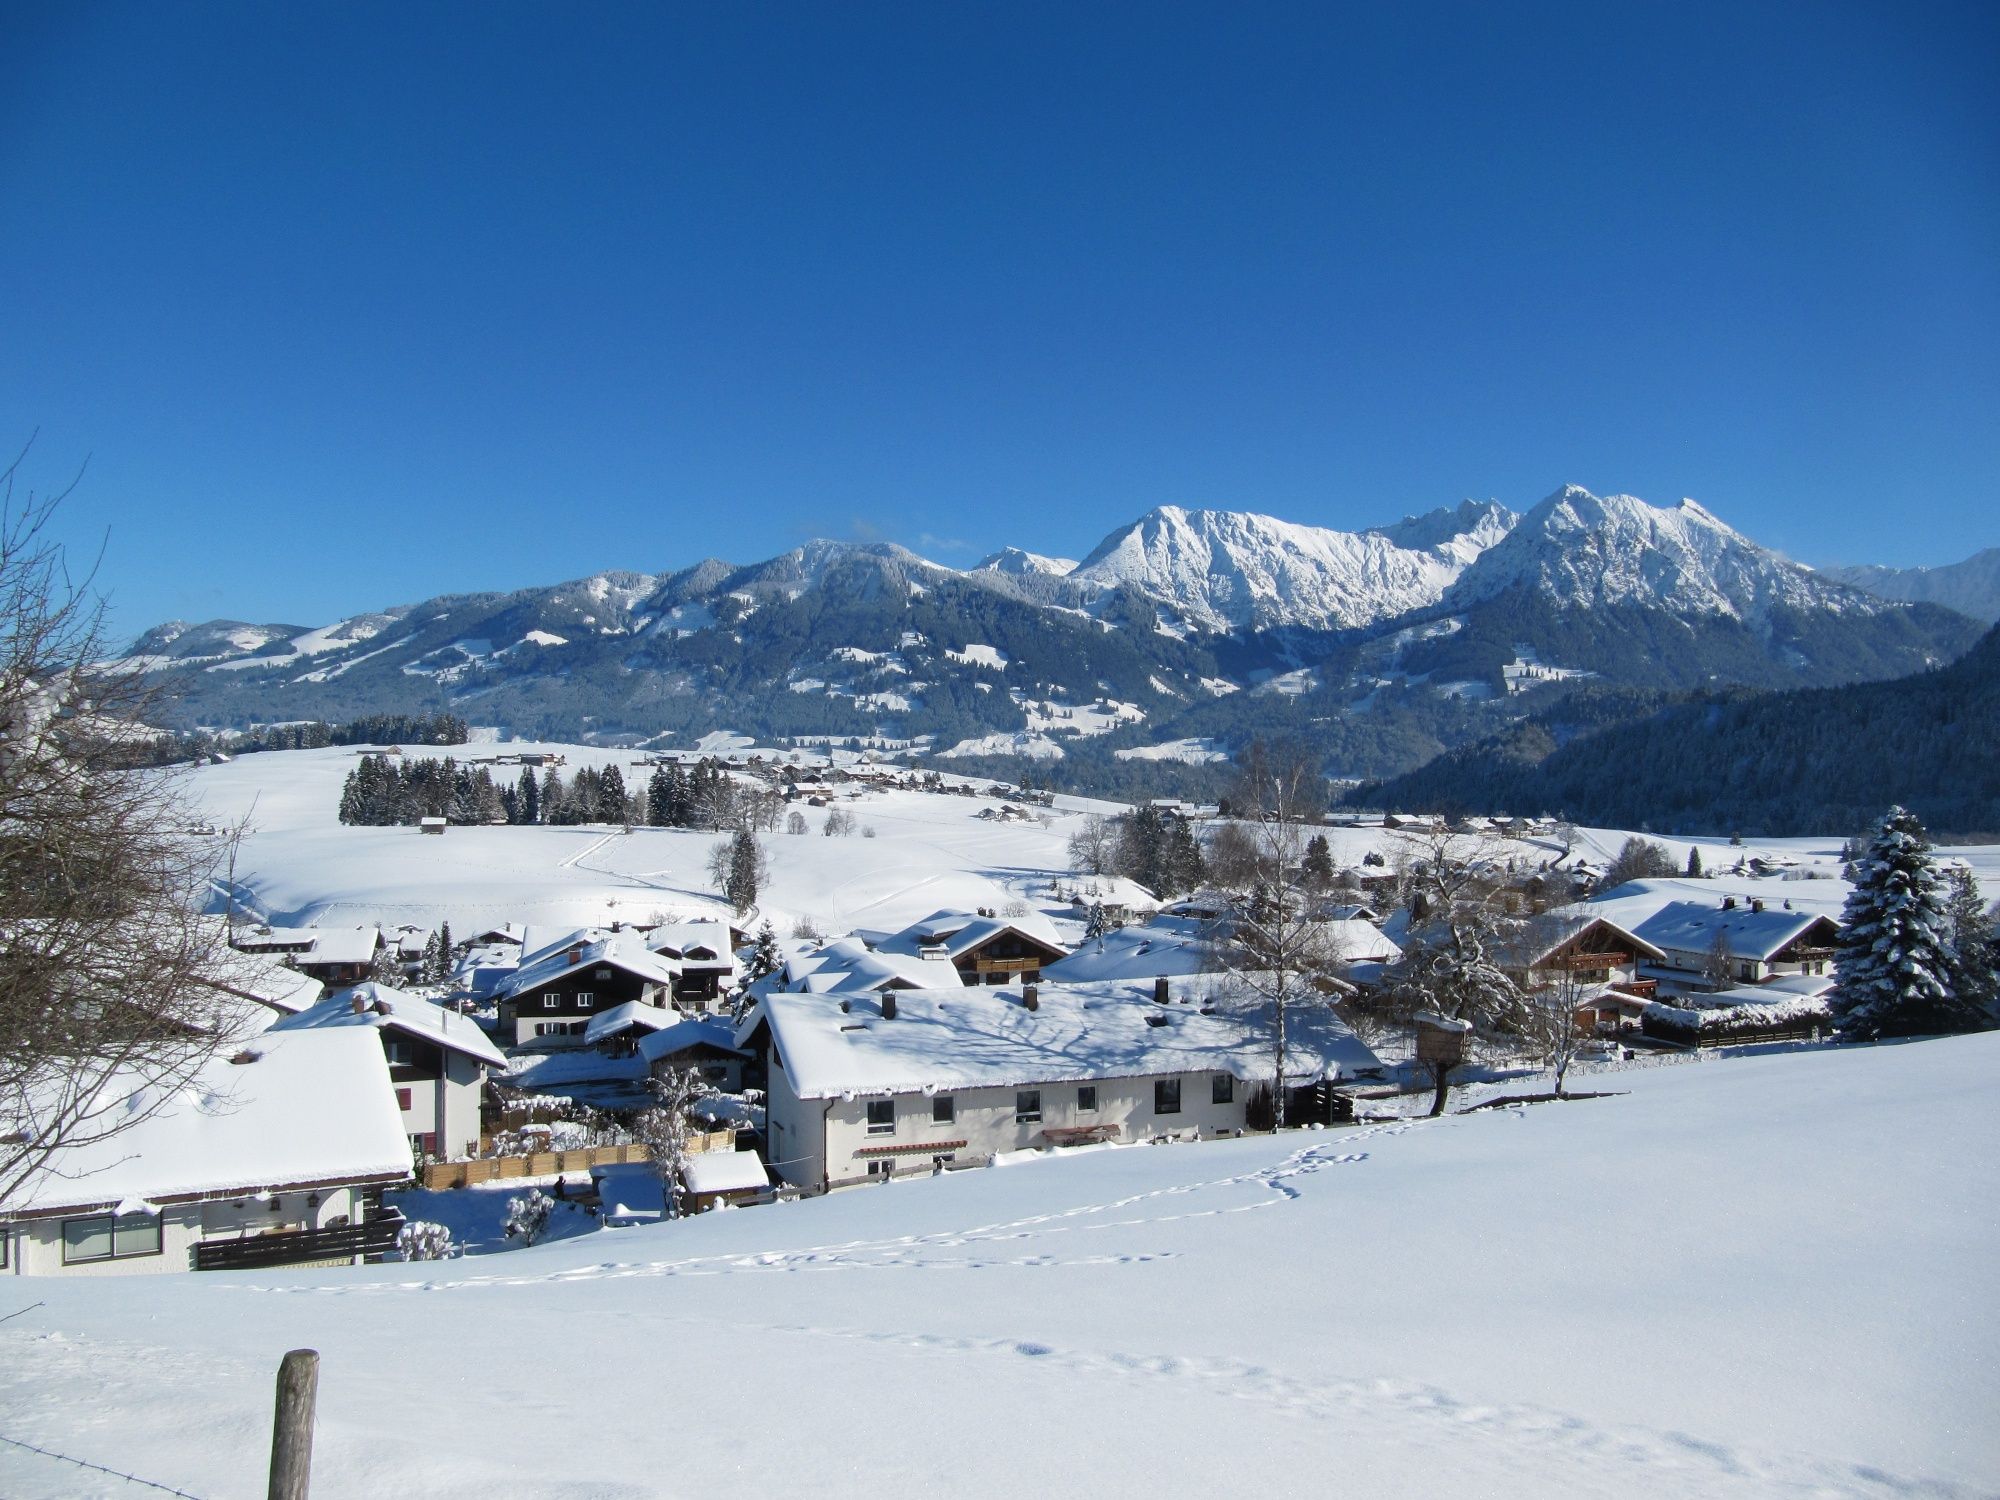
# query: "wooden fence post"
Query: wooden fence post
292,1426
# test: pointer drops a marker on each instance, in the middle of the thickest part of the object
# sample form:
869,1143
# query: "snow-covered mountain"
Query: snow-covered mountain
1019,563
1232,570
1576,550
1187,625
1971,587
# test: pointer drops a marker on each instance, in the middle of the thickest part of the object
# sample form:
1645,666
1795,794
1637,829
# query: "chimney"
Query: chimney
888,1006
1160,991
846,1006
1031,996
1729,903
360,1004
1756,903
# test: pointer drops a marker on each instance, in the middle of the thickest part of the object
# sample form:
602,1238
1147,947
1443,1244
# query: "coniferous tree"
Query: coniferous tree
765,958
1694,870
1892,966
660,798
747,870
1973,963
613,806
552,796
1318,862
529,794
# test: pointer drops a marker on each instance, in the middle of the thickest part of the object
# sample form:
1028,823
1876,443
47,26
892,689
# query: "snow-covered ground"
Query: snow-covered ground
299,865
1761,1276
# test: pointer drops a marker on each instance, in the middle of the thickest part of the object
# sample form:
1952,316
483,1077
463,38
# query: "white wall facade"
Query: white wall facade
831,1141
35,1246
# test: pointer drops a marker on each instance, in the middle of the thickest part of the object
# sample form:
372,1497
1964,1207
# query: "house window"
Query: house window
881,1167
1166,1096
402,1098
602,974
1086,1099
1027,1106
584,1000
944,1110
398,1052
110,1237
1225,1088
5,1240
549,999
881,1116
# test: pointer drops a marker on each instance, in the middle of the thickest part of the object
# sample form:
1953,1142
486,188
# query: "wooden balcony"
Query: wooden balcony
371,1240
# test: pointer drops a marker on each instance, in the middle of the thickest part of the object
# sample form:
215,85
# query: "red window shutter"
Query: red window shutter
402,1098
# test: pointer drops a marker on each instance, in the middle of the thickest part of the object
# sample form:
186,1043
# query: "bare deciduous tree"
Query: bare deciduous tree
106,1002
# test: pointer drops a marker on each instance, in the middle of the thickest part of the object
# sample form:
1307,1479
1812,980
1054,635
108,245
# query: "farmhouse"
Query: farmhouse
1749,938
703,955
437,1060
706,1043
1582,948
276,1155
866,1087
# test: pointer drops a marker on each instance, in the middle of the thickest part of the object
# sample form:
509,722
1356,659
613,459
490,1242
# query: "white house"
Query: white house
274,1155
1758,941
437,1060
867,1086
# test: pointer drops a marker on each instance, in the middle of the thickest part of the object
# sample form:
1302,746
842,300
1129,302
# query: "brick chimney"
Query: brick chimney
1161,995
888,1006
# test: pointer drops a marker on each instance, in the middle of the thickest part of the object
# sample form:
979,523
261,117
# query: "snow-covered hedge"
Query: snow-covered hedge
1696,1027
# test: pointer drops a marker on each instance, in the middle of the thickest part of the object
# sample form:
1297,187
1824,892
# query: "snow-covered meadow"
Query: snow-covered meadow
921,852
1744,1277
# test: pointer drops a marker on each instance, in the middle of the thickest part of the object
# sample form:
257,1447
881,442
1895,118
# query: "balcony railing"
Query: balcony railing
372,1239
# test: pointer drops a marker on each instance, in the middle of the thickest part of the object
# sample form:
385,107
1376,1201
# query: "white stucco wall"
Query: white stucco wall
36,1245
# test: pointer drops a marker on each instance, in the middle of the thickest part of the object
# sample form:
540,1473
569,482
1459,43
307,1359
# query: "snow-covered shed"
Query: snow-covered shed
284,1144
712,1177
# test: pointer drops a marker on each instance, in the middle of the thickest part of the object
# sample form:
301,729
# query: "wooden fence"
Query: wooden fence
457,1174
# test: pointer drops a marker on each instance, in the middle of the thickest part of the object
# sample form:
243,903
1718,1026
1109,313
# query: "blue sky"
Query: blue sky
348,305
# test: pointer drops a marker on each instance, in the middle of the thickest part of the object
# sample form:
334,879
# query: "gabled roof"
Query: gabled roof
322,945
380,1006
1540,939
690,1031
1692,926
618,950
307,1107
850,964
985,1037
676,939
633,1013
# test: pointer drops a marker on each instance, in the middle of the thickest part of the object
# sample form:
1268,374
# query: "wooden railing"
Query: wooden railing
374,1238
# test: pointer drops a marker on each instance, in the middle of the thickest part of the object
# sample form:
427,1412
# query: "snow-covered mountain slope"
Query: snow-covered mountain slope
1577,550
1018,562
1232,570
1971,587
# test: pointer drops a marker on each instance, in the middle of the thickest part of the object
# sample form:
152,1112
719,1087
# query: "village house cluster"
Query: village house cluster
828,1063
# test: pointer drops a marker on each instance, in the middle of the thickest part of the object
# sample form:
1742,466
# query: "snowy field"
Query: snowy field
299,866
1762,1276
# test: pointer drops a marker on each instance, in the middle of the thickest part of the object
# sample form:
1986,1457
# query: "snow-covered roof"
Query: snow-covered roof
959,932
1543,935
381,1006
676,939
1110,890
965,1037
618,950
319,945
261,977
690,1031
308,1107
851,965
632,1013
724,1172
1166,945
1692,926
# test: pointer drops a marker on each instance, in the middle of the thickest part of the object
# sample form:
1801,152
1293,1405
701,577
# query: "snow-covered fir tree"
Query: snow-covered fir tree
764,958
1973,961
1892,966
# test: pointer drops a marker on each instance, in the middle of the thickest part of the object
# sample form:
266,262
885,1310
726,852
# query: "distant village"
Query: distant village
732,1065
